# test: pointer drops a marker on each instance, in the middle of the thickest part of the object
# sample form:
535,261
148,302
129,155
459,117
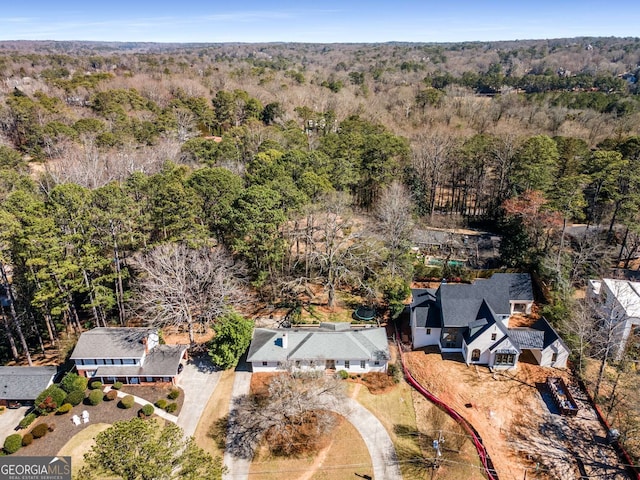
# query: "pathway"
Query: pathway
141,401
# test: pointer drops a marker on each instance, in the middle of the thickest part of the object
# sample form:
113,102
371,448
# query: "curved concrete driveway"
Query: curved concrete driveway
376,438
198,380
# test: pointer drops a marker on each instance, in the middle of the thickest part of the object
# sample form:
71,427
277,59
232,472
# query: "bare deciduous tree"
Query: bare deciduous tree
291,416
178,285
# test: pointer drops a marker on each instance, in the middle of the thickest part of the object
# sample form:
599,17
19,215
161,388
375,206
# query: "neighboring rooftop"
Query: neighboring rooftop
627,293
112,343
24,383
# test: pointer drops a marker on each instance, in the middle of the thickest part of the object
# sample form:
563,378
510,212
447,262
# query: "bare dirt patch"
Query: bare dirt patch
511,414
377,382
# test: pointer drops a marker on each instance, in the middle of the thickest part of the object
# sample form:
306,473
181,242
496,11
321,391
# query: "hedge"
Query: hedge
172,407
95,397
13,443
40,430
64,408
28,420
127,401
75,398
50,399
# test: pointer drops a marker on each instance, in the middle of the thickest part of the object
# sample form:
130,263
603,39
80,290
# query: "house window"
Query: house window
505,359
312,363
376,363
554,357
347,364
493,336
363,364
475,355
297,363
428,331
264,364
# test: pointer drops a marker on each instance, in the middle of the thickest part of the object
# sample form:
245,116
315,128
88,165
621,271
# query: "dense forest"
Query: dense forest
303,163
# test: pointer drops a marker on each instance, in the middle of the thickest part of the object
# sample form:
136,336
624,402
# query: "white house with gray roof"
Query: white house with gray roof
22,385
331,346
473,320
128,355
620,301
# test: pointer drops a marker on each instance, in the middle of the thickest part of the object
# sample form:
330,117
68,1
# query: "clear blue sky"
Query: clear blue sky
315,21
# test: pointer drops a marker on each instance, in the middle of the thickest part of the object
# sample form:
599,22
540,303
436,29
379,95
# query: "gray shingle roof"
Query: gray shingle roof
111,343
460,303
527,338
24,383
426,308
318,344
161,361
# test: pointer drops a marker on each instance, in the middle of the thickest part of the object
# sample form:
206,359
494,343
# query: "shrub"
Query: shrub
28,420
73,382
111,395
97,385
27,439
95,397
172,407
50,399
395,372
148,410
343,374
40,430
173,394
13,443
75,397
117,386
127,401
64,408
162,403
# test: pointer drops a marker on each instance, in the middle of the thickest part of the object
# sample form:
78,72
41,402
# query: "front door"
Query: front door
330,364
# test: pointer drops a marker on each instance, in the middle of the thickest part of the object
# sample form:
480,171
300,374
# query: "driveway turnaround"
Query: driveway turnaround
376,438
198,380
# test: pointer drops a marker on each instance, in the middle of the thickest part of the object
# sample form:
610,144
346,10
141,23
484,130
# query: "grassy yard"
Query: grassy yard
216,409
80,444
345,456
395,411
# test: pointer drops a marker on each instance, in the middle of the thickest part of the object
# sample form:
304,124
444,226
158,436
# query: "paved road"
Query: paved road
9,420
376,438
198,380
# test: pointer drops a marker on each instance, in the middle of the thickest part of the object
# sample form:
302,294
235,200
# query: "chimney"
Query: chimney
285,340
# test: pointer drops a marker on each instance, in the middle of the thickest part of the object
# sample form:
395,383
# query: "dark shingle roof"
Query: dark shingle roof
460,303
24,383
426,308
527,338
111,343
550,335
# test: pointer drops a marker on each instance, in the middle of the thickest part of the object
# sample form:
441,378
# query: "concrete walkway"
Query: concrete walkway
198,380
141,401
238,468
